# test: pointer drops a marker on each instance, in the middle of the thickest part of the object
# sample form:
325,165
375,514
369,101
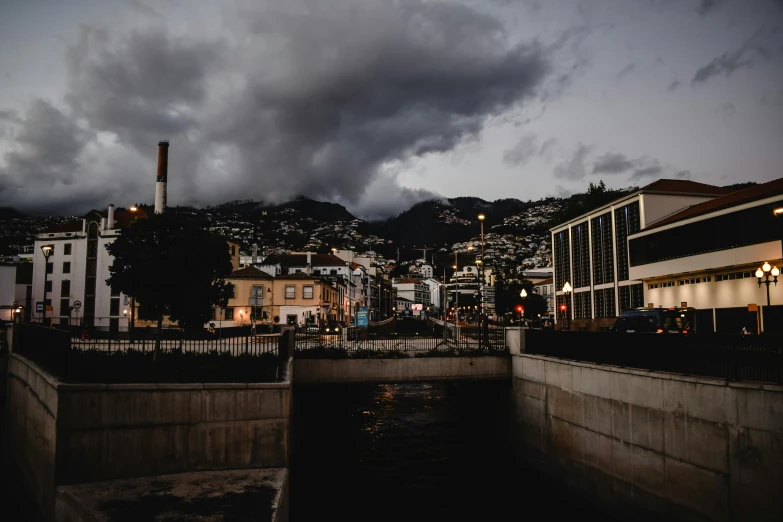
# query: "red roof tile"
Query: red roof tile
300,260
748,195
250,272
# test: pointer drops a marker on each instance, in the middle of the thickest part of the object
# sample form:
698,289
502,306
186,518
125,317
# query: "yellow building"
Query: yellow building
295,299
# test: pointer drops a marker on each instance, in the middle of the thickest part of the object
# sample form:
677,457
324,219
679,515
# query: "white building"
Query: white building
77,270
7,292
436,293
706,256
413,290
671,243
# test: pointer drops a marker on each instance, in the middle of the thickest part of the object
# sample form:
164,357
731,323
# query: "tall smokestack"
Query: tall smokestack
163,168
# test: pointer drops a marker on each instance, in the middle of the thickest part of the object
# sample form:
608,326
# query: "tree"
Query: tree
171,266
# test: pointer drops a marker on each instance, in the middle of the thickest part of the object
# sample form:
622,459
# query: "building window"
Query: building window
49,268
290,292
65,306
48,286
603,260
67,267
67,249
229,313
114,306
65,287
232,291
333,271
307,292
562,255
627,222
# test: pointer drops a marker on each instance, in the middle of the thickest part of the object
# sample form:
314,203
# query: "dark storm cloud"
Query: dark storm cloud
310,100
574,168
47,148
646,172
729,62
707,6
673,86
611,163
521,153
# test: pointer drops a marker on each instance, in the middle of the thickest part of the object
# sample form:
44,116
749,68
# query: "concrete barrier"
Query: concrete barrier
63,433
401,370
691,448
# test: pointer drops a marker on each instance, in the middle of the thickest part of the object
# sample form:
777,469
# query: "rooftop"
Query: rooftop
250,272
300,260
740,197
682,187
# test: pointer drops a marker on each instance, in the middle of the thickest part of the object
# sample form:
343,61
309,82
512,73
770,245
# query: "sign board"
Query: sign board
326,304
489,294
362,317
683,304
753,308
39,306
417,307
77,305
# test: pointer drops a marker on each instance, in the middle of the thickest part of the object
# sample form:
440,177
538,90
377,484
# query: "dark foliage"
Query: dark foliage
173,266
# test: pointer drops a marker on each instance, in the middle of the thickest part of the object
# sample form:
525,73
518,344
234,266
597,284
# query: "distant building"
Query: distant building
415,290
545,288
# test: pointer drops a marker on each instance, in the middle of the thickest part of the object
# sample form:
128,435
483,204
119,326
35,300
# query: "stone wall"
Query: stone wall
425,369
69,433
691,448
31,413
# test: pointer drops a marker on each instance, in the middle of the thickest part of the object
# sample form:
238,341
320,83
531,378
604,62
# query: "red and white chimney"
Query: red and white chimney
160,184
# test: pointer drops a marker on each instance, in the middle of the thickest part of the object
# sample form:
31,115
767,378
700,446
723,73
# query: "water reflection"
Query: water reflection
412,452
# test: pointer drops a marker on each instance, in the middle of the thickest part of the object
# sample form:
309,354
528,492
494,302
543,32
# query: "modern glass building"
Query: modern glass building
591,252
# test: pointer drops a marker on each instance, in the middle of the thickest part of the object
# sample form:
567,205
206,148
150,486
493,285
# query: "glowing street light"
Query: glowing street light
766,271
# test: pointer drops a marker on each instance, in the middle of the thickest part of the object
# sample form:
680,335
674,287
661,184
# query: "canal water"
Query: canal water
414,452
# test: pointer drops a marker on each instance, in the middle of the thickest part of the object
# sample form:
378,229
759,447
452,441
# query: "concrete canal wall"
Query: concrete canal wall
62,433
637,441
414,369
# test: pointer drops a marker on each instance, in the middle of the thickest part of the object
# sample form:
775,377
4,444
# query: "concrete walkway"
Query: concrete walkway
236,495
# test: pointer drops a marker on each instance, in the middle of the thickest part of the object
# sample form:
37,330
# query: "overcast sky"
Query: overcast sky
377,104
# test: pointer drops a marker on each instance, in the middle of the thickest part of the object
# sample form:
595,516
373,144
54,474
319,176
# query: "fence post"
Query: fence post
247,340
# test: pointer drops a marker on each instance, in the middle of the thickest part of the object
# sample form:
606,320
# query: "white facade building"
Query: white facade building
591,251
7,291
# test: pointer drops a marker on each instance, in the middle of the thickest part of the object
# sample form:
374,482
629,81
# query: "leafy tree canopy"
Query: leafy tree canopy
172,266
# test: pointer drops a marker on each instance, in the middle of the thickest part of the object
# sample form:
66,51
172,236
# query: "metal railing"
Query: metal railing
731,357
247,344
467,339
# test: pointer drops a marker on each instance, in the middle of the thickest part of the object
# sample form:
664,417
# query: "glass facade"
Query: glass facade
626,222
604,302
562,255
580,255
603,259
745,227
582,308
631,296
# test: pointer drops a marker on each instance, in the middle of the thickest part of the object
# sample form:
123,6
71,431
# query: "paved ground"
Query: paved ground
235,495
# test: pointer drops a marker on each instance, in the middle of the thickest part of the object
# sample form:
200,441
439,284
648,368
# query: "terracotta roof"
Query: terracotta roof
356,266
250,272
684,186
300,260
545,282
750,194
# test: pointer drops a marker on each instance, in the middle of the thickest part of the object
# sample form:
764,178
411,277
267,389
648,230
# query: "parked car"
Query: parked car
312,328
655,320
332,328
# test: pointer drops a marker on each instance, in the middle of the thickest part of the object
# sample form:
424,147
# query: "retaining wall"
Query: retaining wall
401,370
63,433
691,448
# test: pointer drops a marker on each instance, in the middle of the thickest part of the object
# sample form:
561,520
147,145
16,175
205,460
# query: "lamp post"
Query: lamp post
765,271
523,295
567,291
47,251
779,214
480,264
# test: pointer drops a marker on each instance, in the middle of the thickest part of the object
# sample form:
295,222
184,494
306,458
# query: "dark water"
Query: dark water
413,452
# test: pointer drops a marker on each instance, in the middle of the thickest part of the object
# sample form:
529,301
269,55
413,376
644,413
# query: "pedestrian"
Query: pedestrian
253,327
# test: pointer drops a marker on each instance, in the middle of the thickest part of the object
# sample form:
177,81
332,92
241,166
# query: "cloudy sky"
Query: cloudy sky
377,104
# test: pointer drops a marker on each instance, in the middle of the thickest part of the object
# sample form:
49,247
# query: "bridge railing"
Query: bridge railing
731,357
466,339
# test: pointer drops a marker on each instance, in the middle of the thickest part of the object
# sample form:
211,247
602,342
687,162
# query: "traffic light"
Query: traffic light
562,308
520,309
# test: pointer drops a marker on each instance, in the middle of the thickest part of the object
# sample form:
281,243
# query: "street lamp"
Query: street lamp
523,295
567,290
47,251
765,271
